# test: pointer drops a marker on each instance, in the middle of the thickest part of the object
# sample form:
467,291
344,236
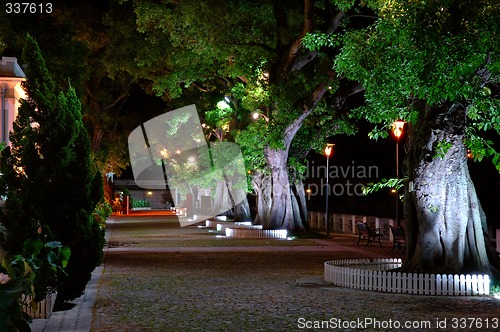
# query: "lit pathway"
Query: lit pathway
79,318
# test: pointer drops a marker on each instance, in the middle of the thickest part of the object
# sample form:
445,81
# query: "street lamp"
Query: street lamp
397,130
328,152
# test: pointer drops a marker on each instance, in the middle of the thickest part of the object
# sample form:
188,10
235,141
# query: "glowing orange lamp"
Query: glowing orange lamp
328,149
397,128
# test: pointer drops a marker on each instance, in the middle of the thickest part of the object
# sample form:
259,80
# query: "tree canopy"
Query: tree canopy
434,51
249,53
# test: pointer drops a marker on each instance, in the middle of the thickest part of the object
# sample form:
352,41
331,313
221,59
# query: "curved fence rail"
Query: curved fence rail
375,274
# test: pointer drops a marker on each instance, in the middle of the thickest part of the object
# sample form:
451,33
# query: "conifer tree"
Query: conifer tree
51,183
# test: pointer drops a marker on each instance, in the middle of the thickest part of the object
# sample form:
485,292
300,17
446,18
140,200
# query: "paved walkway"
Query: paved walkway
79,318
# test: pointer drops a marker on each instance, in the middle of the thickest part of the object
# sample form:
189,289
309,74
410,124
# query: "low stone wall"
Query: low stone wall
253,233
246,230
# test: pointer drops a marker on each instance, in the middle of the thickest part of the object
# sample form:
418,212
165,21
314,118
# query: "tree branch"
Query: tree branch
122,96
358,88
297,44
199,87
304,60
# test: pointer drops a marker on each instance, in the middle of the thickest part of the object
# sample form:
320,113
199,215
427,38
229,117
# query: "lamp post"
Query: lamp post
397,130
328,152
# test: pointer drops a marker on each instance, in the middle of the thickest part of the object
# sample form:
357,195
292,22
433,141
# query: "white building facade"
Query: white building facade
11,77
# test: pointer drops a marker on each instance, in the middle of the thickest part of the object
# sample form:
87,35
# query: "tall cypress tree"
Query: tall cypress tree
50,180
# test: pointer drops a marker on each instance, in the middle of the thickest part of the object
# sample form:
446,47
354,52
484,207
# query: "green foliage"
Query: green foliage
15,281
46,261
494,289
442,149
441,53
49,177
480,148
139,203
102,212
33,272
314,41
393,183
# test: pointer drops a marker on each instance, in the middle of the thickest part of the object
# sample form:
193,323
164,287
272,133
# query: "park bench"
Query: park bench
368,233
398,237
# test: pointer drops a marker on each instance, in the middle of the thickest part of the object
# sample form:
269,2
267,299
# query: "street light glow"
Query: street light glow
328,149
397,128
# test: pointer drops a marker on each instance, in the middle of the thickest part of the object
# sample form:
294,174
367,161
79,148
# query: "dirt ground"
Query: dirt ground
160,277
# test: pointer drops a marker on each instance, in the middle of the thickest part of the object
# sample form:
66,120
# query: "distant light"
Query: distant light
178,151
150,193
255,115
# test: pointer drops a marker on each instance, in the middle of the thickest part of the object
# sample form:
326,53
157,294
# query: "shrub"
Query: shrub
49,177
140,203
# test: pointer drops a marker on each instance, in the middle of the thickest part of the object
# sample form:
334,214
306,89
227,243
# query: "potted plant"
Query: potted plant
28,279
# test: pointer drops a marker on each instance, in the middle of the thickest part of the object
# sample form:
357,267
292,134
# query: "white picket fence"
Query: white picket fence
254,233
373,274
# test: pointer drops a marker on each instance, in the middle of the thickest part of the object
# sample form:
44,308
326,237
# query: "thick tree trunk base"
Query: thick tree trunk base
447,232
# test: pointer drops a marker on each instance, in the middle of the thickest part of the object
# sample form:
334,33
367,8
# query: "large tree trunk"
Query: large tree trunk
446,225
285,212
262,185
226,202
